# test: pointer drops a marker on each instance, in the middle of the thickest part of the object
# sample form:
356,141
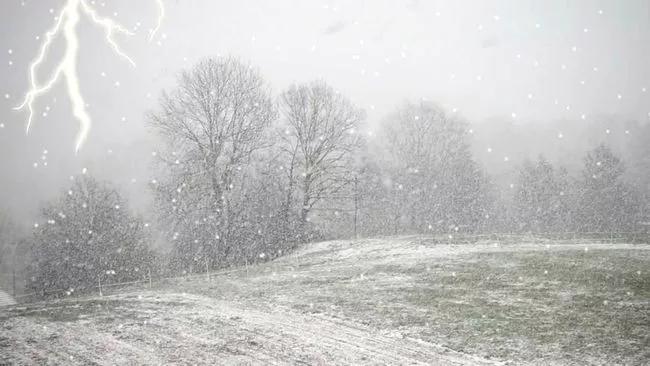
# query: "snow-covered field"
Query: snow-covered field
375,301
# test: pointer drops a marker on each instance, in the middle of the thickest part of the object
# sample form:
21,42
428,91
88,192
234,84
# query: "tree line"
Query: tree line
242,176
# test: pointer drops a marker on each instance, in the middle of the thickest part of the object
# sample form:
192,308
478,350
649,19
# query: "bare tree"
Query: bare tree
542,199
213,123
434,182
607,202
319,138
86,235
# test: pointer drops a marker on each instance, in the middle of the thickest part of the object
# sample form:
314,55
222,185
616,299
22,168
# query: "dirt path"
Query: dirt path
174,328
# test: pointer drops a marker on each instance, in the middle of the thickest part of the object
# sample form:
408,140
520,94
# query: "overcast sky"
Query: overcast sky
529,61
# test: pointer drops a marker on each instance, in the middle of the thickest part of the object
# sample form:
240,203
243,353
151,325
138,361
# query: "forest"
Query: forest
244,175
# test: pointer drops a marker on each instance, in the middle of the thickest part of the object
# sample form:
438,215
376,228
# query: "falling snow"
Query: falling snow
338,182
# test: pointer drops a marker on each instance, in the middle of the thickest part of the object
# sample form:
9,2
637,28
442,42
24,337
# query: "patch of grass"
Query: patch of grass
561,306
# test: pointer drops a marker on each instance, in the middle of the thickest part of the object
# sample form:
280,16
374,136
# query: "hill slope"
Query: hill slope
379,301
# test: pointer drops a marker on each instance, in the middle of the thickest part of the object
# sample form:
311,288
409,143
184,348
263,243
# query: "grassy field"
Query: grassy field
376,301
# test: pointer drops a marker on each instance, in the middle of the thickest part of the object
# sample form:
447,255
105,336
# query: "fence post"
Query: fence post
14,279
99,279
356,205
207,269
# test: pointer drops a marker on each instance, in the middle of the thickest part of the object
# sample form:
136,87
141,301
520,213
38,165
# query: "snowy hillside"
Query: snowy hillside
379,301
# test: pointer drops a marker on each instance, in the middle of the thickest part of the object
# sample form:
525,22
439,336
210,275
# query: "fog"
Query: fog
324,182
557,66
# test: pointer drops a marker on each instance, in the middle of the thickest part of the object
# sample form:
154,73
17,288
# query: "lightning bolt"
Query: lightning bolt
109,27
161,16
66,24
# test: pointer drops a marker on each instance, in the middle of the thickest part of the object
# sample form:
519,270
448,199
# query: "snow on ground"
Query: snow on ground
6,299
164,328
375,301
